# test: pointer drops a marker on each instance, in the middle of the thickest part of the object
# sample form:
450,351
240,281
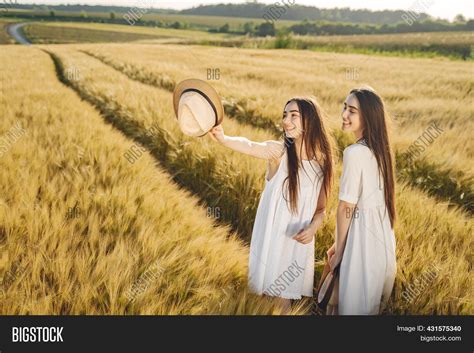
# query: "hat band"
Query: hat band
207,98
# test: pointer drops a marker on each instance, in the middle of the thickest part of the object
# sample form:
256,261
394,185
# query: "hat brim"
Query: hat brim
326,285
203,88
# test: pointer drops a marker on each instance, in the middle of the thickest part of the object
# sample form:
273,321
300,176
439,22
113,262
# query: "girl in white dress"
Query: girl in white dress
365,241
292,205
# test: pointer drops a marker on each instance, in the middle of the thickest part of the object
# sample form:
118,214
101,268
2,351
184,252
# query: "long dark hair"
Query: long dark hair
375,132
318,145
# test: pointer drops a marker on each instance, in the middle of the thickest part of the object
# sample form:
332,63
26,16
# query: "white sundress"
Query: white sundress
368,266
279,265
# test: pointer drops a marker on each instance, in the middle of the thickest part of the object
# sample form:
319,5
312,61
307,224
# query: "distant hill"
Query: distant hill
86,8
300,13
250,10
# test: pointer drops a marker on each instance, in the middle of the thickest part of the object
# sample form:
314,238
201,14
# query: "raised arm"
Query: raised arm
268,150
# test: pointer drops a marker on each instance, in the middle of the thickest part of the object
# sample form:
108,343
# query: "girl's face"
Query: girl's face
292,123
351,119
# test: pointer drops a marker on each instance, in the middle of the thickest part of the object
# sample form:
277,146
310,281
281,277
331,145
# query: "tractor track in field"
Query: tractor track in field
136,131
427,176
185,175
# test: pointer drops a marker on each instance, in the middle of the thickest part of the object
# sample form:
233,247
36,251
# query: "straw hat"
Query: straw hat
197,106
327,285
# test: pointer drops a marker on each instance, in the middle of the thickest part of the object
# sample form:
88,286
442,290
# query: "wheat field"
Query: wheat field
252,84
134,231
4,37
76,32
411,87
101,99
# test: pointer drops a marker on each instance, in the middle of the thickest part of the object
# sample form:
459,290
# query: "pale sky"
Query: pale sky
437,8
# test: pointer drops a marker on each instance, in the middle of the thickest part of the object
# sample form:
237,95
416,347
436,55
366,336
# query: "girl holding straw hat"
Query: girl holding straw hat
292,205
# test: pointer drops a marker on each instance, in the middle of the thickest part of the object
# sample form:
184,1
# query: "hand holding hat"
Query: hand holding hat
217,133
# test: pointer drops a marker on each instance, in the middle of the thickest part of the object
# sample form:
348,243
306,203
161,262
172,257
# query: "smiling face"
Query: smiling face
292,123
351,117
